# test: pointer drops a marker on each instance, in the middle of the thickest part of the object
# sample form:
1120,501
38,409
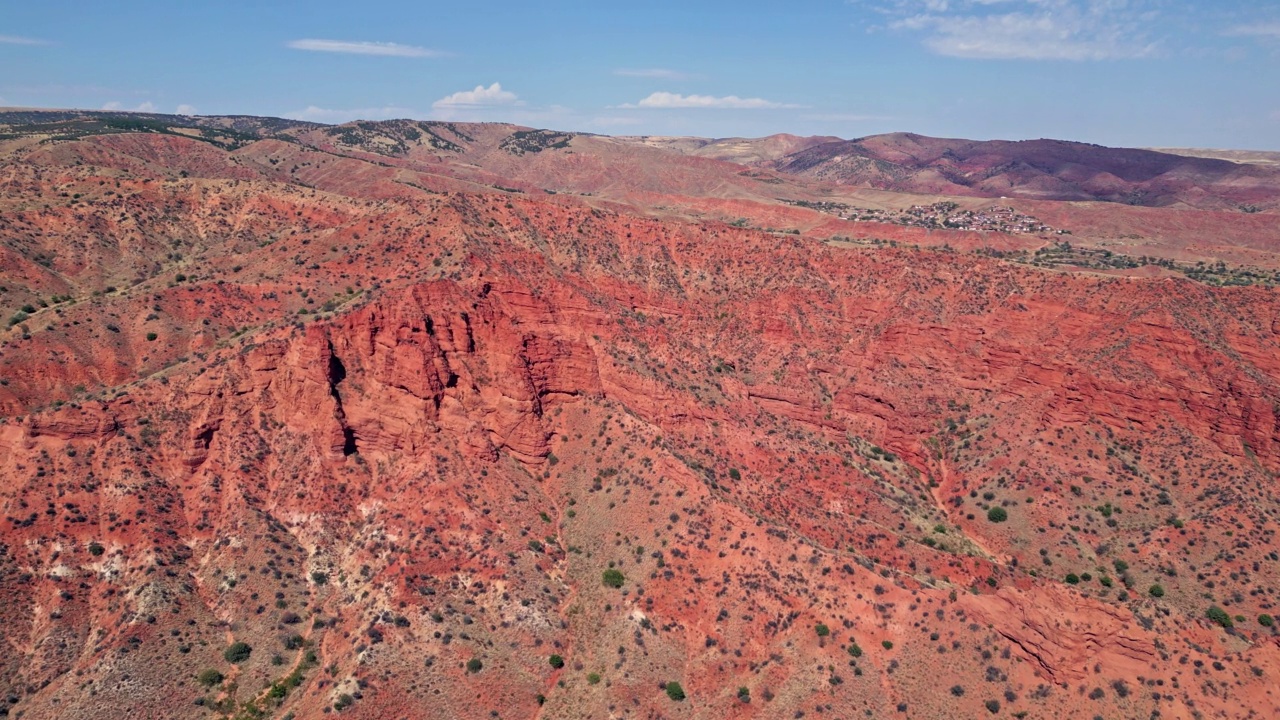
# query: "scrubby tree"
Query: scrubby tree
1219,616
237,652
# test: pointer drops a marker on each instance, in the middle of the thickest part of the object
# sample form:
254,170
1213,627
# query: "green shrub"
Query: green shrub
593,678
237,652
822,630
209,678
1266,620
1219,616
475,665
319,578
556,661
344,701
993,706
744,694
96,549
1156,591
855,650
997,514
887,644
613,578
674,691
1072,578
151,337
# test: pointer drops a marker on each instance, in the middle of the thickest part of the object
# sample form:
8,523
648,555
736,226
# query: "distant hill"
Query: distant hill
1044,169
1253,157
745,151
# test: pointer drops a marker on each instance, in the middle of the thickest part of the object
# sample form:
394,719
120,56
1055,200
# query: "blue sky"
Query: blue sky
1115,72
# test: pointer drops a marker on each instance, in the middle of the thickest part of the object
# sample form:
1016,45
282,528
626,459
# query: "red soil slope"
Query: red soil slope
377,423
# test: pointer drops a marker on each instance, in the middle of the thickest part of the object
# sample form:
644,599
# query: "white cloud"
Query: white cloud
1260,30
666,100
16,40
480,97
335,115
146,107
350,47
185,109
655,73
1027,29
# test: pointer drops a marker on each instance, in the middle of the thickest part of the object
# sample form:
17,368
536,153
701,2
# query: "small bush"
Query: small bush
151,337
888,645
1156,591
822,630
613,578
1266,620
209,678
319,578
855,650
475,665
674,691
997,514
993,706
556,661
593,678
1072,579
96,549
237,652
1219,616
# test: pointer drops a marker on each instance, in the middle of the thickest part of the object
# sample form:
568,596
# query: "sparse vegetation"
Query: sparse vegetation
1219,616
237,652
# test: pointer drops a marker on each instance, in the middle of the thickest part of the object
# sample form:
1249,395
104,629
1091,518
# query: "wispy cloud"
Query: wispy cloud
654,73
17,40
1260,30
146,107
481,96
313,113
1026,29
667,100
349,47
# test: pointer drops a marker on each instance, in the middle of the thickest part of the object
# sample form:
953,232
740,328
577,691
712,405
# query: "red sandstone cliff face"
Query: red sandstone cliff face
416,432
